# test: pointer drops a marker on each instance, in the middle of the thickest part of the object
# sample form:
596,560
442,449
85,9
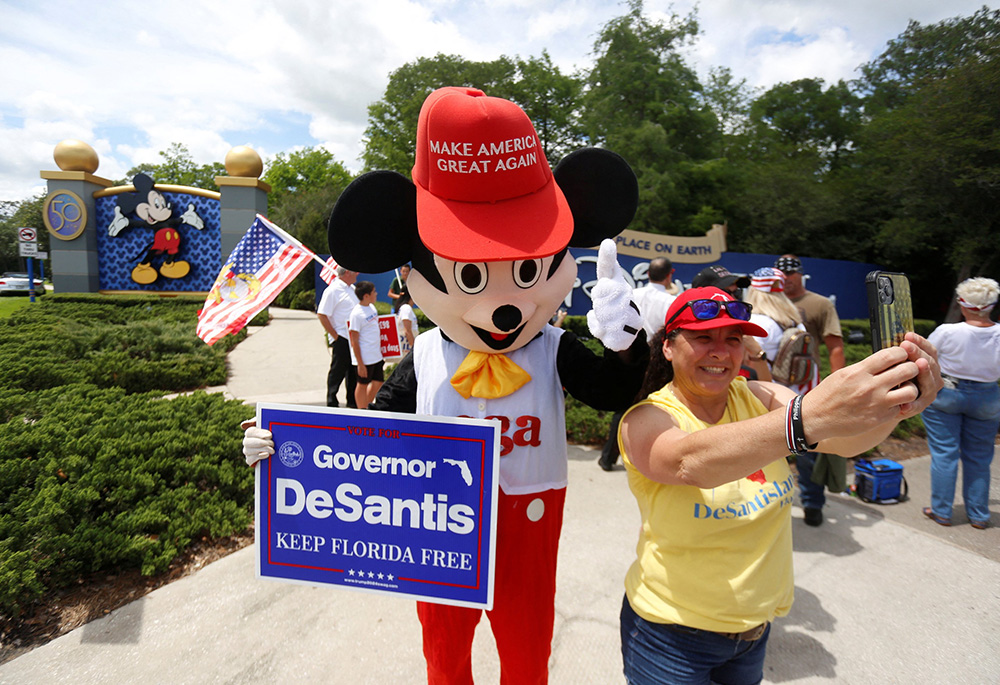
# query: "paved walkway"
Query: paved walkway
882,594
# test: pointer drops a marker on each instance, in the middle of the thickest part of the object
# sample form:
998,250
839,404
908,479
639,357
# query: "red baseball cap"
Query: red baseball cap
687,320
485,191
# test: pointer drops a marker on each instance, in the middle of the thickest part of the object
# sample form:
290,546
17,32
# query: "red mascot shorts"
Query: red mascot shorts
528,528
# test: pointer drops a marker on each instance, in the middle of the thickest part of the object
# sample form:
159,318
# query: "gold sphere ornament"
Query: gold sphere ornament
244,161
75,155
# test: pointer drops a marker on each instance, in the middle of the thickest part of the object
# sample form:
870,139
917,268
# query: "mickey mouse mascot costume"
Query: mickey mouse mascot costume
486,225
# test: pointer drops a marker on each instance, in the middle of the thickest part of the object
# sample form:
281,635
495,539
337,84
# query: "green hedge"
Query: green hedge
135,343
96,472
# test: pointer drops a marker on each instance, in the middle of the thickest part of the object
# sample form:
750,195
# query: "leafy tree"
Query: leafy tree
924,53
730,100
294,174
305,185
643,102
178,168
795,194
804,118
932,150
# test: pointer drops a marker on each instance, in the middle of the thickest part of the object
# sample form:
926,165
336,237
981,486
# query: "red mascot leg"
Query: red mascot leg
448,633
524,596
528,528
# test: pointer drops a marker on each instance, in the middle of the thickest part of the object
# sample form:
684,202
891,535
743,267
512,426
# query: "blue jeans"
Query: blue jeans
961,426
810,493
665,654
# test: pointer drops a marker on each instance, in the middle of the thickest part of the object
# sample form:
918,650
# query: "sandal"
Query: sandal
940,520
979,525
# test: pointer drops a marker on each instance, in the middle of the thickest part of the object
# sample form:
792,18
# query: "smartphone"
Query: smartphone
890,310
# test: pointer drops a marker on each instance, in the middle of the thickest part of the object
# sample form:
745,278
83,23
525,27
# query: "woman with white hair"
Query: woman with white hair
962,422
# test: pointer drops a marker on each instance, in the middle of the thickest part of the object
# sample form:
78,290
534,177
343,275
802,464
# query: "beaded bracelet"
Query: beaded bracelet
795,434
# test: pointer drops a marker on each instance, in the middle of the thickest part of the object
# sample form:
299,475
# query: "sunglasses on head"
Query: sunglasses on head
704,310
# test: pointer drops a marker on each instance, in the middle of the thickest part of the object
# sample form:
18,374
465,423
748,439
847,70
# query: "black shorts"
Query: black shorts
375,373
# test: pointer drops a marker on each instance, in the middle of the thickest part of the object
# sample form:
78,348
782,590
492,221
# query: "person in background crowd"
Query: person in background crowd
334,307
820,318
407,317
705,456
775,313
366,348
718,276
962,422
654,298
396,287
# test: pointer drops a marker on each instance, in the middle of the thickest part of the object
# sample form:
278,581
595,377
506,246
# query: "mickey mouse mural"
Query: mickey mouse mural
148,208
486,225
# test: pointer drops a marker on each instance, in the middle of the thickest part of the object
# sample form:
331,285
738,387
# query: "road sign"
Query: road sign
27,249
27,235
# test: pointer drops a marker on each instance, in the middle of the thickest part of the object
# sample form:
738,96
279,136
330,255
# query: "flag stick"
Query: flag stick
281,233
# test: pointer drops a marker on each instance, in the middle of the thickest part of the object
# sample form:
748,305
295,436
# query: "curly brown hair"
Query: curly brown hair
659,371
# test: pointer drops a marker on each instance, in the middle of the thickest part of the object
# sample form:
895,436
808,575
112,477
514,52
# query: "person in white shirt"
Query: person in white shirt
655,298
407,319
366,350
962,422
334,307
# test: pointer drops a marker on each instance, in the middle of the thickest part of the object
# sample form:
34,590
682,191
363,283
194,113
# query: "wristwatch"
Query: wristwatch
760,356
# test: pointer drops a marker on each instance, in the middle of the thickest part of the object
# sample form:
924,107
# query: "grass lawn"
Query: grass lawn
8,305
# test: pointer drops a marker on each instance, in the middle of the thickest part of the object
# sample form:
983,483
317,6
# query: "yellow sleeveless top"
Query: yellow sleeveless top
718,559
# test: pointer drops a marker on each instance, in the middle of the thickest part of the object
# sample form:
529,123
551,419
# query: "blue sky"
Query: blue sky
132,78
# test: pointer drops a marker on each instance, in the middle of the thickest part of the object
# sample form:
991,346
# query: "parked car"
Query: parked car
18,283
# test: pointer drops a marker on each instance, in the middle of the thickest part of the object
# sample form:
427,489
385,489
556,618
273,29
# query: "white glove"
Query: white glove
614,320
119,222
257,443
191,218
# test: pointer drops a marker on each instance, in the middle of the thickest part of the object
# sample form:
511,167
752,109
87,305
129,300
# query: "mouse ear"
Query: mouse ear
374,223
602,193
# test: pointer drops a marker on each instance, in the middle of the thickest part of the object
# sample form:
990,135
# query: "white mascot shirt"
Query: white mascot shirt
533,444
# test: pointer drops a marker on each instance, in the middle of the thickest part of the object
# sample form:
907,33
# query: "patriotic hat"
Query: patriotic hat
768,279
788,264
485,191
687,320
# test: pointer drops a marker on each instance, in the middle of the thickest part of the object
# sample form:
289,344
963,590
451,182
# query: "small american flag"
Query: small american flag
263,263
329,271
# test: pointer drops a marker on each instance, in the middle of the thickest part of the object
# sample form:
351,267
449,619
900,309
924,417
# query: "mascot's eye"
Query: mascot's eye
471,278
527,271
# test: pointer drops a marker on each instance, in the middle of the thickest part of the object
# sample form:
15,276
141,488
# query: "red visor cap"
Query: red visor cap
687,320
485,191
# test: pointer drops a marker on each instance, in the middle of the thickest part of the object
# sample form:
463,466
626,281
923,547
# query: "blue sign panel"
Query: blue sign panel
380,502
842,281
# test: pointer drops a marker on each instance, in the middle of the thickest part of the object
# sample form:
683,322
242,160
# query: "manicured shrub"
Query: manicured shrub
96,472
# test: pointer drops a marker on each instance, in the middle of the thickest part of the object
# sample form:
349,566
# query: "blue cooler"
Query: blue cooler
879,480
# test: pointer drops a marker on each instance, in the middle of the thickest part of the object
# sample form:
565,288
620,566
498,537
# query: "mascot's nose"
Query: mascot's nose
507,317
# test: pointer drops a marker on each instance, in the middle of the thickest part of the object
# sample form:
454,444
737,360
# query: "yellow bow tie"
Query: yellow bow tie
488,376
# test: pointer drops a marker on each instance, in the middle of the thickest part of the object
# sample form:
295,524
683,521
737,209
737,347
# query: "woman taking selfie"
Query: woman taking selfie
705,455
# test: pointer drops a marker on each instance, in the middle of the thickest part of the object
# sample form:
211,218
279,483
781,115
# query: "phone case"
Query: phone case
890,309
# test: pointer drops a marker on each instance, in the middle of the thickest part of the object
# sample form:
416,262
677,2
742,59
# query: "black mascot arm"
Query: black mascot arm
606,382
399,392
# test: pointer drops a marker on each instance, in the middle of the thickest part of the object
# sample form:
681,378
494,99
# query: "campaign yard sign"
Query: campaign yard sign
380,502
390,341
